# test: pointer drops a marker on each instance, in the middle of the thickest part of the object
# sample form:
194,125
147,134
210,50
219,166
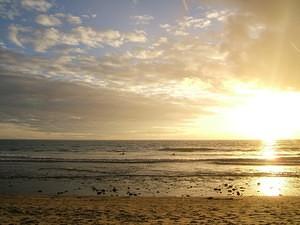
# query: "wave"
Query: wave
292,161
55,160
186,149
111,175
284,161
205,149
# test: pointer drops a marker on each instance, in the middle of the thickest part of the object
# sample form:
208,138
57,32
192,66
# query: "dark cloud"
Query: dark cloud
55,106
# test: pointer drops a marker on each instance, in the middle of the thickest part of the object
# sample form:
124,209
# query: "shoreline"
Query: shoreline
34,209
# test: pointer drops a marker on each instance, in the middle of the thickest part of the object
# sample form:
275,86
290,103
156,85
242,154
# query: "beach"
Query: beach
149,112
148,210
149,182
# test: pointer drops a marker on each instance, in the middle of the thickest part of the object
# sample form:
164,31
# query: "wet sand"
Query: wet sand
148,210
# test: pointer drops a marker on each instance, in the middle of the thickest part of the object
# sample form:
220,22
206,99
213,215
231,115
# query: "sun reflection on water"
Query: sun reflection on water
268,150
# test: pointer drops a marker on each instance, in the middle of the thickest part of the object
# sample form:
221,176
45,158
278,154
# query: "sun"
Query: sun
268,116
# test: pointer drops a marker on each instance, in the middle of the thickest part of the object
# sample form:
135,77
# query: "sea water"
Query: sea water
150,168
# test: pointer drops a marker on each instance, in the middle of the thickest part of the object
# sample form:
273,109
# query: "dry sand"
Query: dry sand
148,210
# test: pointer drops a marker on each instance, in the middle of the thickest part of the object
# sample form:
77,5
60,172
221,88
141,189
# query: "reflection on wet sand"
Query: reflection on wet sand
271,186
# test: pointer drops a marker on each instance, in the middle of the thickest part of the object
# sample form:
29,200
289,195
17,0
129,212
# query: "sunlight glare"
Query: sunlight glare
274,169
271,186
268,116
268,150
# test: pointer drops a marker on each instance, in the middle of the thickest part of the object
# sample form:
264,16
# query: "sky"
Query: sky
141,69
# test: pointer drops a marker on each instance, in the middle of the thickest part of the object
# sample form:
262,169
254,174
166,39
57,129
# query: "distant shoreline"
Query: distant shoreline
125,140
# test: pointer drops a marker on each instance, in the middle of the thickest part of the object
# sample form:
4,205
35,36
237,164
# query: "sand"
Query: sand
148,210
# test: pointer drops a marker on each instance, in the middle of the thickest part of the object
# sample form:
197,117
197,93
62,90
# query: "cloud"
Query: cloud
183,26
142,19
165,26
8,9
2,45
40,39
89,16
14,31
46,38
257,38
76,20
131,94
212,15
38,5
145,54
85,16
145,71
39,107
160,41
48,20
92,38
138,36
180,33
192,22
220,15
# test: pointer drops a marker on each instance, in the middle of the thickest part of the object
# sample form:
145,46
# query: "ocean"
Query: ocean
150,168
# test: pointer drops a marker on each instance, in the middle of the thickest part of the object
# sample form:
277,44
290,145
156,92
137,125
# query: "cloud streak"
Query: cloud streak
48,20
45,38
38,5
142,19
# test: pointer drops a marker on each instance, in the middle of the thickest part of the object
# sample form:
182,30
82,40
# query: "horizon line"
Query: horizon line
42,139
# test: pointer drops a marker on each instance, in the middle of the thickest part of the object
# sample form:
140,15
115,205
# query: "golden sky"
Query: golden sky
172,69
